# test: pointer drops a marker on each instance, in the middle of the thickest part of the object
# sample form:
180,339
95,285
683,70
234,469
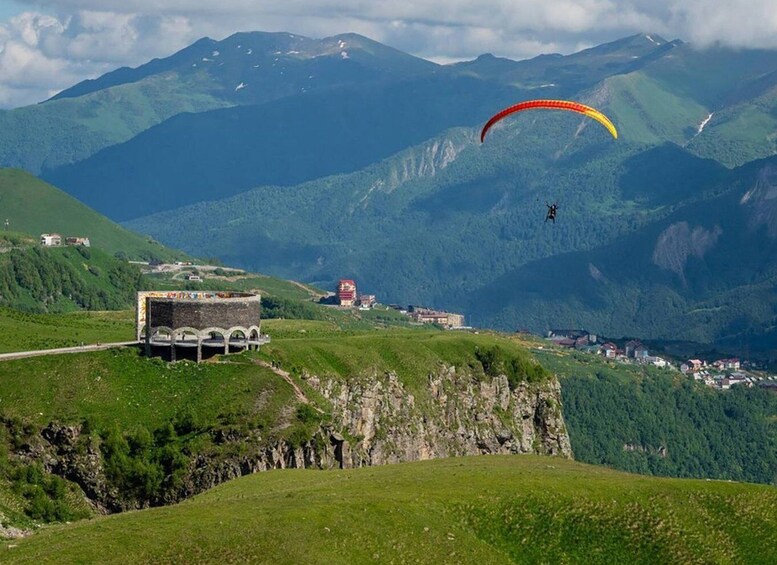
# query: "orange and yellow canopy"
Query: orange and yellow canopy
552,105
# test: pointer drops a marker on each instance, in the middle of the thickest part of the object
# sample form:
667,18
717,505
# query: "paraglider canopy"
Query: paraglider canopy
552,105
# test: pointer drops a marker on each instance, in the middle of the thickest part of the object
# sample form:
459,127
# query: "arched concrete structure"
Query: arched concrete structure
217,321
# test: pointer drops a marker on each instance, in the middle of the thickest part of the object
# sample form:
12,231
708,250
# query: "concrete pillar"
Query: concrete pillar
172,351
199,350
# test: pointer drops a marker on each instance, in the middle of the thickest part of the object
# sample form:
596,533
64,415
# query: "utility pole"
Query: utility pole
7,223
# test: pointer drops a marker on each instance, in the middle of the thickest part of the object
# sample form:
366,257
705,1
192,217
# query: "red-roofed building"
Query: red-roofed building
346,292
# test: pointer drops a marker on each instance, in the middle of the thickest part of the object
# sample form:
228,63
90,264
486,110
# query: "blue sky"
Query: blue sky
48,45
10,8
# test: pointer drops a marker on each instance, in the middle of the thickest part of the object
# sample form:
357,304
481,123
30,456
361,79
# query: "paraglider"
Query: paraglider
551,105
552,209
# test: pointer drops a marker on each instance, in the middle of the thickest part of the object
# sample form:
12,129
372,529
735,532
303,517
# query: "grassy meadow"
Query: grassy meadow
490,509
122,387
22,331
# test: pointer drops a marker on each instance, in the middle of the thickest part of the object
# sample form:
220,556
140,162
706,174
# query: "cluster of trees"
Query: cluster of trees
496,361
43,280
275,307
668,425
143,465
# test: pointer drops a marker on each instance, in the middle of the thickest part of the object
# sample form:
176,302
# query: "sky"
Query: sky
49,45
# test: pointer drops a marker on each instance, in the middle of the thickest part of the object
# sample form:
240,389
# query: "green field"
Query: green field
121,387
20,331
488,509
34,207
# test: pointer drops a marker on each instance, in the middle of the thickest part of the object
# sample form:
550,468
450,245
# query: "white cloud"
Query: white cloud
41,54
77,39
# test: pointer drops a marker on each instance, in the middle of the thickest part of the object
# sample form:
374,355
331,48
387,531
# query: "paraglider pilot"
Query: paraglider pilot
551,212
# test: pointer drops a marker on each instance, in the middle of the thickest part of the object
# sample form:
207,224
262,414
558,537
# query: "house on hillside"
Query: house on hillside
659,362
50,239
610,350
448,320
635,349
732,364
691,366
77,240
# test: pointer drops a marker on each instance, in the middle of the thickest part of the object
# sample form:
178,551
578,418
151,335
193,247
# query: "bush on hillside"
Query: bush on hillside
495,361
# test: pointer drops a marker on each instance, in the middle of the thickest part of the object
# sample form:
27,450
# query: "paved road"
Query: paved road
61,350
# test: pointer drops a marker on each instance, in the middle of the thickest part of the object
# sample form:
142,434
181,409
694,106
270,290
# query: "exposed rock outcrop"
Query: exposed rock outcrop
679,241
375,420
66,451
452,415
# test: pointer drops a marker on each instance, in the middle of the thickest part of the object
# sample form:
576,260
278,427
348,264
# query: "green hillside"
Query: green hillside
62,279
494,509
35,207
643,419
132,390
718,102
58,132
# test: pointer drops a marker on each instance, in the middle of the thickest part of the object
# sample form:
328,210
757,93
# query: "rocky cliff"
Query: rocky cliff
374,420
453,415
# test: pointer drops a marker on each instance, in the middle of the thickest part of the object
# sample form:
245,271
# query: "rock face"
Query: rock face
679,241
452,415
66,451
375,421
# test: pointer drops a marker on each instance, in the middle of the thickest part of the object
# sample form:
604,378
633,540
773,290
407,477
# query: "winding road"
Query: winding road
62,350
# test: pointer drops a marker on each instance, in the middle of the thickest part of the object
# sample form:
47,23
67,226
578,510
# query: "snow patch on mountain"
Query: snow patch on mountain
703,123
344,54
240,86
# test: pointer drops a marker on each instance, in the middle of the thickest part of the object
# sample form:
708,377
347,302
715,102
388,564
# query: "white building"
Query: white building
50,239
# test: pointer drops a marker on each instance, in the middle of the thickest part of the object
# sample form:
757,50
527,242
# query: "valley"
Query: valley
275,164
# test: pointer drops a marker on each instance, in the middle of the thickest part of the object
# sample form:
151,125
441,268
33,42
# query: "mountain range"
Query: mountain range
320,159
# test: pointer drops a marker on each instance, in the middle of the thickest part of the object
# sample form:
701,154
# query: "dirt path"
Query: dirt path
308,289
286,377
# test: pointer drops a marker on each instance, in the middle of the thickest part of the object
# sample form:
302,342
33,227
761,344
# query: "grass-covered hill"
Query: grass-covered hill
149,420
63,279
133,431
494,509
33,206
